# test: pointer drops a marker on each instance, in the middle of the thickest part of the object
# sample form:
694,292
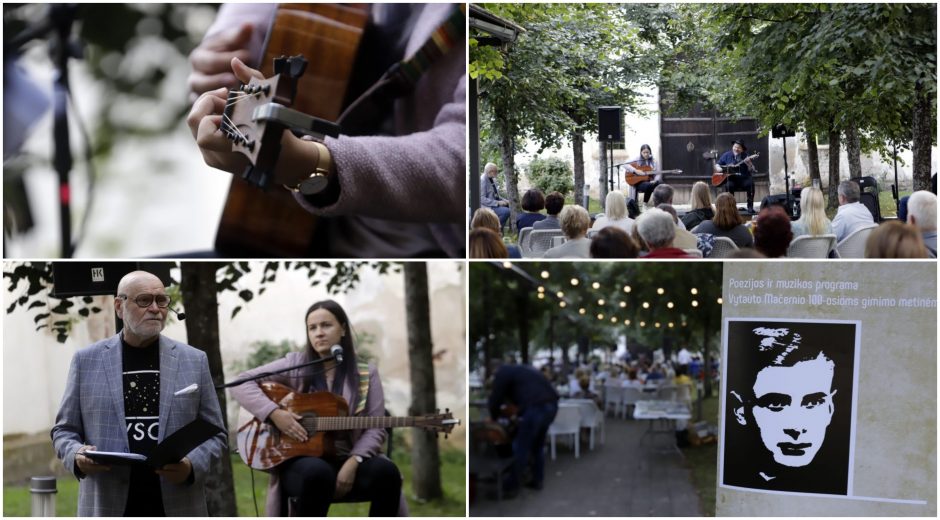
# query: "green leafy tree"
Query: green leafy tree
550,174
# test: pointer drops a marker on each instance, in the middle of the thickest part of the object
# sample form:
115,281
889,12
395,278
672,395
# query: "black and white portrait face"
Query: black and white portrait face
788,407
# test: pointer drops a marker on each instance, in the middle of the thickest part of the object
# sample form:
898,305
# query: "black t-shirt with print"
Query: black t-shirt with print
141,374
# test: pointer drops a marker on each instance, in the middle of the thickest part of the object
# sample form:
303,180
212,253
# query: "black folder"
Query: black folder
170,451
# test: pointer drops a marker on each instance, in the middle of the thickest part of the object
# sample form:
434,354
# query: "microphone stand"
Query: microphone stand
271,373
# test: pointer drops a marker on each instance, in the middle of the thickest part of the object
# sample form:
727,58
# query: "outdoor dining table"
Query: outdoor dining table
668,411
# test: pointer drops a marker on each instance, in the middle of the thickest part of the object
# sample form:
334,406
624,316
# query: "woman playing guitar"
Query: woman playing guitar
637,167
355,467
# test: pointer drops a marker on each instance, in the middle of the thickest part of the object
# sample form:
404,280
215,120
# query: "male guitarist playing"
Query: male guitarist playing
396,173
740,176
637,166
355,468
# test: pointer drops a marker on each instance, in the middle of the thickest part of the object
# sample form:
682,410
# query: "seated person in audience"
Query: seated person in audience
772,235
485,243
615,213
663,194
727,222
684,239
585,392
656,373
486,218
613,242
532,203
554,202
574,224
895,239
852,214
701,206
658,230
813,220
922,214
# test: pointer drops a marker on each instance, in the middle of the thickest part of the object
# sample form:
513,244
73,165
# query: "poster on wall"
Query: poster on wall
790,413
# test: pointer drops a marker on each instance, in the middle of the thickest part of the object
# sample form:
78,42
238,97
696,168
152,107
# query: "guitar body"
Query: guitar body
648,172
719,178
263,447
270,223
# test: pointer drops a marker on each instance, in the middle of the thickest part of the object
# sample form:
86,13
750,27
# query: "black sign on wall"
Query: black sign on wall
97,278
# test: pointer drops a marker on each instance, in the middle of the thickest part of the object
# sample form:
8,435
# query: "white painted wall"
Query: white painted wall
35,366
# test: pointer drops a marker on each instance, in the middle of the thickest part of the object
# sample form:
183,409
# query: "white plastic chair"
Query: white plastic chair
724,246
591,418
523,239
631,395
667,393
540,240
853,246
567,422
613,396
811,246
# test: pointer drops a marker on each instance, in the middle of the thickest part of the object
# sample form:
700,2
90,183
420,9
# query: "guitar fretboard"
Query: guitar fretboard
355,423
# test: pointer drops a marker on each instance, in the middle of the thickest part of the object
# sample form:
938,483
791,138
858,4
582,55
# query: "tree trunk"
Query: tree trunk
198,289
813,152
425,459
522,320
853,148
507,150
923,130
487,327
577,146
834,149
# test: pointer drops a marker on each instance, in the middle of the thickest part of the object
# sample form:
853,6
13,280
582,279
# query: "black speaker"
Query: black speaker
609,120
779,131
95,278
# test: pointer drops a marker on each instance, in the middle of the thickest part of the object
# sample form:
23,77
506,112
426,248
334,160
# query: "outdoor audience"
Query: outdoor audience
487,218
554,202
852,215
701,206
813,220
772,232
895,239
727,222
658,230
485,243
922,214
532,203
613,242
615,213
684,239
574,222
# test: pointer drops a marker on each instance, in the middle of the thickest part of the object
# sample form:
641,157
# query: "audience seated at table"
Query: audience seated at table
813,220
772,232
533,201
895,239
727,222
574,224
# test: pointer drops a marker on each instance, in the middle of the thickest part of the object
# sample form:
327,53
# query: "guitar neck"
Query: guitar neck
356,423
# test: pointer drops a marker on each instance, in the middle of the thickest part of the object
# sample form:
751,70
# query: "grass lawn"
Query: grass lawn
703,460
16,499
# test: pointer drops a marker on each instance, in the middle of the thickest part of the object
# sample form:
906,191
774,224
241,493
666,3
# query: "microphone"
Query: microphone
179,315
337,352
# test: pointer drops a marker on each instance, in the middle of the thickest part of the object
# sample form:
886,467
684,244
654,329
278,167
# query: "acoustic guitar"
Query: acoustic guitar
270,223
648,172
719,178
263,447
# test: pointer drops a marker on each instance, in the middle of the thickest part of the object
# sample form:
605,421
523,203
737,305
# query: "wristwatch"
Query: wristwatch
358,458
317,181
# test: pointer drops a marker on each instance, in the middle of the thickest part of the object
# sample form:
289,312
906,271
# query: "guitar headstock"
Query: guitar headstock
437,422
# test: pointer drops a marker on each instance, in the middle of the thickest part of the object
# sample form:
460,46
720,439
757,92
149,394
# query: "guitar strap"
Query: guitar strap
401,78
363,388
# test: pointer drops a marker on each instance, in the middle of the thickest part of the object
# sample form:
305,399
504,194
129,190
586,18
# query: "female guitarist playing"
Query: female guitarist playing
637,166
356,470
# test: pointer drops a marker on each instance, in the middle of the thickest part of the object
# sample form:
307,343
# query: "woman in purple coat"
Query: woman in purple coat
356,471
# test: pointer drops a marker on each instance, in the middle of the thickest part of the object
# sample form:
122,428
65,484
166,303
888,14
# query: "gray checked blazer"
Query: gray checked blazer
92,412
489,197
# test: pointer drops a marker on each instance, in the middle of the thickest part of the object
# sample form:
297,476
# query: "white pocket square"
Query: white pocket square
188,390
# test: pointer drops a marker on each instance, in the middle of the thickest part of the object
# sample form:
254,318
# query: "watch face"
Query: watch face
313,185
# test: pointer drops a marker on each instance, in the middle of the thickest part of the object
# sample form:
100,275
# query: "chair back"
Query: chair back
523,241
811,246
540,240
695,252
724,246
612,394
568,419
557,241
590,414
592,233
631,395
667,393
853,246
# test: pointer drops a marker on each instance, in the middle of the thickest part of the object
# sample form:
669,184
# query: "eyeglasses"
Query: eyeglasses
144,300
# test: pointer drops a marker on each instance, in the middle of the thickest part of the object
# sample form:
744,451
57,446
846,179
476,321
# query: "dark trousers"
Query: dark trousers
646,187
312,481
503,213
742,183
530,442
